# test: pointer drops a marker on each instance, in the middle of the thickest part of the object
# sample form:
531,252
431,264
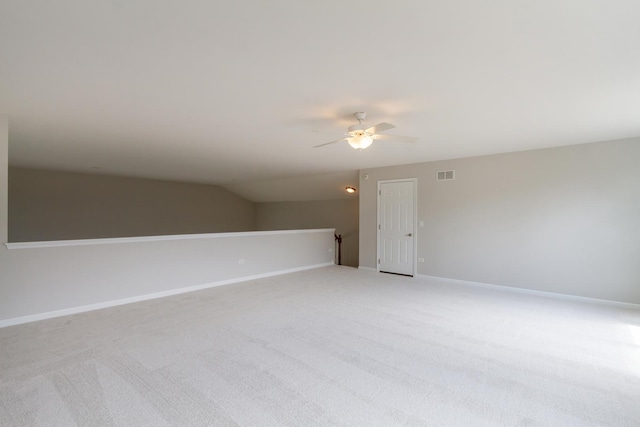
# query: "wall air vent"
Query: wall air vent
446,175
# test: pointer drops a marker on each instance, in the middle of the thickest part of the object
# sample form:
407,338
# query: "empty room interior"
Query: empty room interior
319,213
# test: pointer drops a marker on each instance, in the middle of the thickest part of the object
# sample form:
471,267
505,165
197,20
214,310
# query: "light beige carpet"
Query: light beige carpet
333,346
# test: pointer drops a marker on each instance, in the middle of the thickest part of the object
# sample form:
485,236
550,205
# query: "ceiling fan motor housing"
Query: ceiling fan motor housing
357,128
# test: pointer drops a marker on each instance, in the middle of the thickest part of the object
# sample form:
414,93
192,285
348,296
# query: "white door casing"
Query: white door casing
396,226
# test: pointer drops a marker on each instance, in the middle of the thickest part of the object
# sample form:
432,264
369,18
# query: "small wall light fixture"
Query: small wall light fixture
350,190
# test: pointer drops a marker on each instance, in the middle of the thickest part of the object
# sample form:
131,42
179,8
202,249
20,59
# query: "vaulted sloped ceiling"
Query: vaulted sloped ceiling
236,93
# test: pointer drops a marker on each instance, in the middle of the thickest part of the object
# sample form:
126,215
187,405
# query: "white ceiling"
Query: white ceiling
231,92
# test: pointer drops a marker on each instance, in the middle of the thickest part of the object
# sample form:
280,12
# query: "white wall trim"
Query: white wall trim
532,292
81,242
113,303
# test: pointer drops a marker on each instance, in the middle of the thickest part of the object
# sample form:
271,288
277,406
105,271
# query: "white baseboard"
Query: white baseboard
367,268
107,304
531,292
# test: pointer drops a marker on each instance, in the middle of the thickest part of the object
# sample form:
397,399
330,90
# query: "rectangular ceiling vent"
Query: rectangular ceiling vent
446,175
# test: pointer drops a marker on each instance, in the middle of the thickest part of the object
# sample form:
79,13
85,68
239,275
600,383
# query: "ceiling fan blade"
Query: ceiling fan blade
398,138
332,142
379,128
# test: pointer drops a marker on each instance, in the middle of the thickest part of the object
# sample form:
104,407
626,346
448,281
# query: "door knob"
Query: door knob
409,235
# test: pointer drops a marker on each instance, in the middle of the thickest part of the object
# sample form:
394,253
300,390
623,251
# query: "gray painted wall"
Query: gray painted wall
339,214
54,205
4,161
564,220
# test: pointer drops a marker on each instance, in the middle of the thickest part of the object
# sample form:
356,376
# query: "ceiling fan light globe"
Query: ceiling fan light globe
360,142
365,141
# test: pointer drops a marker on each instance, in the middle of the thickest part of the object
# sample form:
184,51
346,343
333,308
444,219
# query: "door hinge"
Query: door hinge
379,192
378,260
379,227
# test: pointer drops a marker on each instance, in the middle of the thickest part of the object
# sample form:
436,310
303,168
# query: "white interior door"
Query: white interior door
396,227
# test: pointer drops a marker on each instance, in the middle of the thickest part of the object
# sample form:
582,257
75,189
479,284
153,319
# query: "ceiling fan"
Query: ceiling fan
360,137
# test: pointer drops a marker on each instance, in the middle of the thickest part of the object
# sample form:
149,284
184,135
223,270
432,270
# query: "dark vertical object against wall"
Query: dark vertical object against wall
55,205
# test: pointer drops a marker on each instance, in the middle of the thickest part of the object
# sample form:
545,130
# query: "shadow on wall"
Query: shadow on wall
55,205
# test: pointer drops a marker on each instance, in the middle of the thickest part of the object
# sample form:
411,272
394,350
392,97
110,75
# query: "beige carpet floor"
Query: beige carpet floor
333,346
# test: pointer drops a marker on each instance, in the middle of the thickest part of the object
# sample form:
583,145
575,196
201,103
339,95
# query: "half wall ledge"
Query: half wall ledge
41,280
112,240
